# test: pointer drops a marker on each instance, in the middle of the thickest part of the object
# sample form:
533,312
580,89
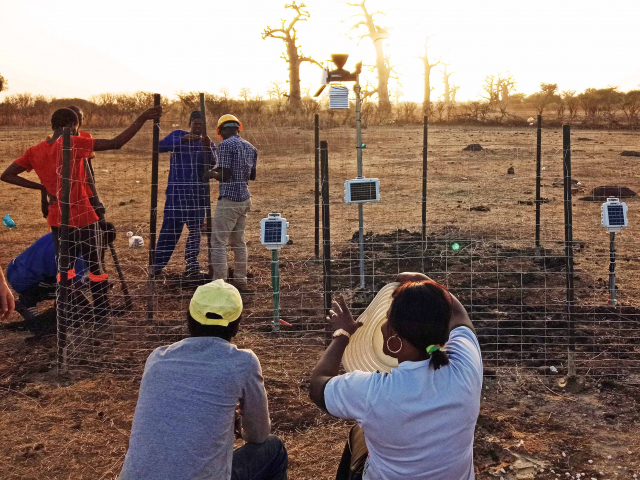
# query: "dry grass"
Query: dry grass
77,427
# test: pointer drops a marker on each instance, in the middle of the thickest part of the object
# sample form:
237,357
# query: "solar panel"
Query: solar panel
616,215
273,231
363,191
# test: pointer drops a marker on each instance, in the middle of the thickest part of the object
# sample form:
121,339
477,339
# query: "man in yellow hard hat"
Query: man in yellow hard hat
195,393
237,161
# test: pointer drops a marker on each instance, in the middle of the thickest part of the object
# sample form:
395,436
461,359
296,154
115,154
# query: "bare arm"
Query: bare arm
220,174
7,303
122,139
459,315
253,174
12,175
329,364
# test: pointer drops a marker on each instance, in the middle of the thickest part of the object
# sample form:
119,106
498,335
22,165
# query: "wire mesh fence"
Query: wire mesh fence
480,242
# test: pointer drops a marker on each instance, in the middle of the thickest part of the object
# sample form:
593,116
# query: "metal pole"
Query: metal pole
63,254
317,184
153,211
356,89
207,187
538,177
326,237
275,281
568,245
612,269
425,129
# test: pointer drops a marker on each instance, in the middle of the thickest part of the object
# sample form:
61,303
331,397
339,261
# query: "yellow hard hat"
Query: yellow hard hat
228,118
218,298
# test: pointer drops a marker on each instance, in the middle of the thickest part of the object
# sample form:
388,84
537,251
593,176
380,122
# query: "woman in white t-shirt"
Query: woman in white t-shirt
418,421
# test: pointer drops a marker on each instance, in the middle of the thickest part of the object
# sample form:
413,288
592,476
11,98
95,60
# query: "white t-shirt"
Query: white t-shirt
418,422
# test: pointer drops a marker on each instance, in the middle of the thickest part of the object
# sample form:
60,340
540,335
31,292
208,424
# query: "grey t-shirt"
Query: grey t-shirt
183,423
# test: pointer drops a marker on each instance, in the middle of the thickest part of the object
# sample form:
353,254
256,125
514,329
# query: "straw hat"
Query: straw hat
364,351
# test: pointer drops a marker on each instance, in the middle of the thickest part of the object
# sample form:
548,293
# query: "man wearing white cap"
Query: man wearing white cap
195,393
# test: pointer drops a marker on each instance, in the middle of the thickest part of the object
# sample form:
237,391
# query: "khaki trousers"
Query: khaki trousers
229,222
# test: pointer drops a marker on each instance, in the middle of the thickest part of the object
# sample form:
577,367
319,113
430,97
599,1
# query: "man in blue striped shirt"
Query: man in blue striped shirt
186,193
237,161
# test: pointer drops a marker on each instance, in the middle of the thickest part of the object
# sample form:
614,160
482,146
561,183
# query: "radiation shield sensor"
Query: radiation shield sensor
614,215
362,190
273,231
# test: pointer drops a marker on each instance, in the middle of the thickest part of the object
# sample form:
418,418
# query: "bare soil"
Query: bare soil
531,425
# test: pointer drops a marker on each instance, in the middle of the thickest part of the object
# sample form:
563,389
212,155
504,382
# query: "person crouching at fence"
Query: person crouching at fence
186,193
237,160
419,420
85,237
195,394
32,274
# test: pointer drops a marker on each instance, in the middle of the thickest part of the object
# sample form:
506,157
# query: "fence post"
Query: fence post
207,189
538,177
153,211
63,254
316,150
568,245
425,143
326,238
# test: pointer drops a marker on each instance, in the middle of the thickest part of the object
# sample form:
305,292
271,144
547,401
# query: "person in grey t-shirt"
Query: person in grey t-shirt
195,394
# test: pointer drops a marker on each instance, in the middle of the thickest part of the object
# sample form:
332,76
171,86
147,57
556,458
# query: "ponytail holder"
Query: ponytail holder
433,348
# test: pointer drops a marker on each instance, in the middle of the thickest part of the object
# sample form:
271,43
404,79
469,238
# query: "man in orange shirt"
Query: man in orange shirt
45,159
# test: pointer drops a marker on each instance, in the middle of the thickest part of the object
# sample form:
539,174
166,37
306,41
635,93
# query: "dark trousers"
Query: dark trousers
176,216
354,456
87,242
260,461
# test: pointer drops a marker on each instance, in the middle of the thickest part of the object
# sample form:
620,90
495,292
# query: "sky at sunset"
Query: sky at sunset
77,49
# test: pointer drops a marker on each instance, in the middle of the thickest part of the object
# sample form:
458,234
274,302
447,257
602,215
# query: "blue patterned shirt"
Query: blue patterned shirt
241,157
188,164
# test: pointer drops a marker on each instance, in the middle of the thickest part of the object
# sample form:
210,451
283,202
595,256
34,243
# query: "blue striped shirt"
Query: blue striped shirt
241,157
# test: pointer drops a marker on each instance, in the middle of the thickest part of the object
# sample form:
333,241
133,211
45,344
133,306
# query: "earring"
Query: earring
399,348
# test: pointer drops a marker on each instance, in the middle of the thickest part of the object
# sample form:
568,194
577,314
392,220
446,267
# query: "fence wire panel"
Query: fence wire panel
480,243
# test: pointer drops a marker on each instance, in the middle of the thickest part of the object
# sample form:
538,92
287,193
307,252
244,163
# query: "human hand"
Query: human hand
152,113
411,277
340,317
190,137
7,302
237,422
206,141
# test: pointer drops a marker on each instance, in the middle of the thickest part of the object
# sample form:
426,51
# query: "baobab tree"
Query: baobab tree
377,34
293,55
447,86
426,103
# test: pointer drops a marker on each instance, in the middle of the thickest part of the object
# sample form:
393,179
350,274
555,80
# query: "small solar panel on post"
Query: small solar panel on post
568,246
153,211
317,184
326,236
63,256
538,177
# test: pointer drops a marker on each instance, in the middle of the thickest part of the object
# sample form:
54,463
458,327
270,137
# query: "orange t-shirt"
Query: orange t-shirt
46,159
83,134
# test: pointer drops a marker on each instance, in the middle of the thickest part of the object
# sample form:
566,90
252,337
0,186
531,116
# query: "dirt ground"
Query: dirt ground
76,425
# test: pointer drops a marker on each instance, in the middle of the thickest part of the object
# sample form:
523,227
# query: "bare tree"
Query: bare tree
454,89
571,101
447,88
377,34
426,102
293,55
245,94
